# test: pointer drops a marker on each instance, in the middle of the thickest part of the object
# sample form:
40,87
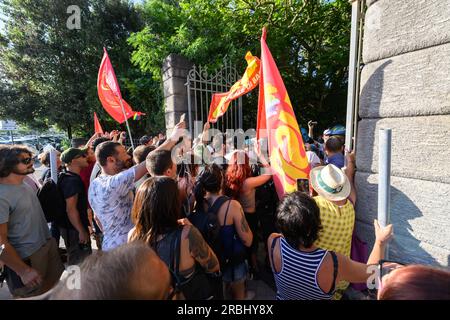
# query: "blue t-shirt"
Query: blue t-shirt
337,159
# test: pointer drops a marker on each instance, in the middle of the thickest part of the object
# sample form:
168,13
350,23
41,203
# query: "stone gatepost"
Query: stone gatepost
175,70
405,86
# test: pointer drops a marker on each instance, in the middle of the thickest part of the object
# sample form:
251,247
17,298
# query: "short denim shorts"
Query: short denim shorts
240,273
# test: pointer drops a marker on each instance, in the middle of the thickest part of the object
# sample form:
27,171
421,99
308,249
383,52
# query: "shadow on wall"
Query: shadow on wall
405,247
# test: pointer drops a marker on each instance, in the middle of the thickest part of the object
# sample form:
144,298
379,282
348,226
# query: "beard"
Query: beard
23,172
123,165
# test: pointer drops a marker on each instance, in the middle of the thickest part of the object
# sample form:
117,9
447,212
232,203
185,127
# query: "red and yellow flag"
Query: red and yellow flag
109,92
221,101
275,113
97,126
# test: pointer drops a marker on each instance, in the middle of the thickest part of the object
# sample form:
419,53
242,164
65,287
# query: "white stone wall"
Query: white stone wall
405,86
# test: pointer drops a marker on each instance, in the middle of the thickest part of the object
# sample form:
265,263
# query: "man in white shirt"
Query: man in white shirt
111,194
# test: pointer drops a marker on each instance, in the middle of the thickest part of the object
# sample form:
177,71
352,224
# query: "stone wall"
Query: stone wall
405,86
175,70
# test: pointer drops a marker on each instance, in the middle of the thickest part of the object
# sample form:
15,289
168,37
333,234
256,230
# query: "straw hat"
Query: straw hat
330,182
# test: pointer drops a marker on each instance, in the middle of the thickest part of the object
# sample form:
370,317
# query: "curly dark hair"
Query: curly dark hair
9,158
298,219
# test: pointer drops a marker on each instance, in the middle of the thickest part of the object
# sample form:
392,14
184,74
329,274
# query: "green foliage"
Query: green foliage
309,40
49,72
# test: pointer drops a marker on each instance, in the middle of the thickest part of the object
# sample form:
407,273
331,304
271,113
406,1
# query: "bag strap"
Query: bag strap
217,204
272,247
335,270
226,213
174,261
177,249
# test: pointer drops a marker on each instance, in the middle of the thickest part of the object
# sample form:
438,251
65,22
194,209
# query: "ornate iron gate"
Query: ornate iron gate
200,88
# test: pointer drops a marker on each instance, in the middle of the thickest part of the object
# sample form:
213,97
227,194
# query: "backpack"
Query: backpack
199,286
52,201
209,226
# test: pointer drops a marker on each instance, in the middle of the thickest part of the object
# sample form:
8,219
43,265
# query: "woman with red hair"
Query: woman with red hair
241,186
415,282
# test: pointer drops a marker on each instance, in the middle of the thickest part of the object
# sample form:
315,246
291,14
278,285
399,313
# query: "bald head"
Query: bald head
131,271
151,281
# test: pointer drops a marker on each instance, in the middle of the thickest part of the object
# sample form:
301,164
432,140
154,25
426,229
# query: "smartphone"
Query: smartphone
303,185
183,117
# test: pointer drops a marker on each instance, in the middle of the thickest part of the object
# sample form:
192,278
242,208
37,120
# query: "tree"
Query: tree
49,72
309,40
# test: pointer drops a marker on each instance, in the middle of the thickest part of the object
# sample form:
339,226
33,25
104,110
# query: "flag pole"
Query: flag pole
126,121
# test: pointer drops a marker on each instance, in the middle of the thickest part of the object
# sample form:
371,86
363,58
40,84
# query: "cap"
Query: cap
71,153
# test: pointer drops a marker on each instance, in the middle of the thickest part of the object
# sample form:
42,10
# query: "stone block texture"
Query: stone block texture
175,70
405,86
393,27
420,146
411,84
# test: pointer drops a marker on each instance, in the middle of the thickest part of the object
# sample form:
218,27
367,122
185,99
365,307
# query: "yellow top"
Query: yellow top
337,230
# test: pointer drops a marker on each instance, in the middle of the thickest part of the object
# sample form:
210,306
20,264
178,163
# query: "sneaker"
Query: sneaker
250,295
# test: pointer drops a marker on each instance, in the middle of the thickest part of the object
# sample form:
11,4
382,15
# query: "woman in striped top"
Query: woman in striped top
303,271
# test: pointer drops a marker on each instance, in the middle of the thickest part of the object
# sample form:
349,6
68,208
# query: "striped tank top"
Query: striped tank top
297,279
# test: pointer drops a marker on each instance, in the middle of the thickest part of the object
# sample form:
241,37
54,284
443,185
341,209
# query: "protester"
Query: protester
156,214
131,271
337,212
76,232
235,233
30,254
145,141
139,156
303,270
241,186
44,158
111,194
160,163
97,169
266,206
187,171
334,149
415,282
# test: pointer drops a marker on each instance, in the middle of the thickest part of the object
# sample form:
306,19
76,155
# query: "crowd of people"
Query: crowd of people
187,222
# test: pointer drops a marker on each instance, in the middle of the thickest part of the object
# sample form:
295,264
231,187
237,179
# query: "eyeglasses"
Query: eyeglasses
27,160
385,267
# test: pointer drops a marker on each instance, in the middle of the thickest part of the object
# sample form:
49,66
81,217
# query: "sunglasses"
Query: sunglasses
26,160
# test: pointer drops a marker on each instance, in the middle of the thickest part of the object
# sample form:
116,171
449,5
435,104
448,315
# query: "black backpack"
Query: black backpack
52,201
209,226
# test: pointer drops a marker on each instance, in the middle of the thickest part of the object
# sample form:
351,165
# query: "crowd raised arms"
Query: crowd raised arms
176,220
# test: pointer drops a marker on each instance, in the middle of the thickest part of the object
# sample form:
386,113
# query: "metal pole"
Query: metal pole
53,166
189,107
352,75
126,121
12,137
384,178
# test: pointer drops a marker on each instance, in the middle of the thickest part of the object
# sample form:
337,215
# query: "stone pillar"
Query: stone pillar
405,86
175,70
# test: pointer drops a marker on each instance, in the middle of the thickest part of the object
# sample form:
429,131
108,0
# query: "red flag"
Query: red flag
287,152
97,126
109,92
250,79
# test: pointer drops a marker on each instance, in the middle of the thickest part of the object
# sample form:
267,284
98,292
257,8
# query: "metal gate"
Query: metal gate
200,88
